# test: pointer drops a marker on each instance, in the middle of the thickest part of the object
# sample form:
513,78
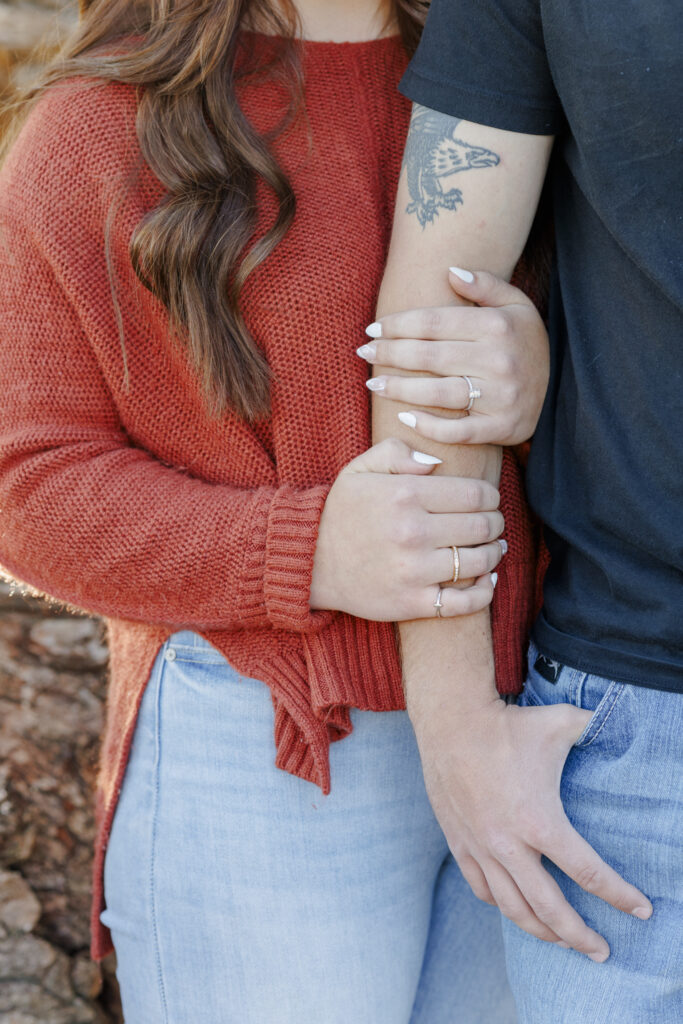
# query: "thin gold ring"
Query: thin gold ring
456,564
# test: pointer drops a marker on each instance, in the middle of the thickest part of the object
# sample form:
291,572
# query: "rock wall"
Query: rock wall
52,688
52,691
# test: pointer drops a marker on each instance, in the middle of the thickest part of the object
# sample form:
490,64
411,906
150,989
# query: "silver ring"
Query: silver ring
456,564
438,604
474,392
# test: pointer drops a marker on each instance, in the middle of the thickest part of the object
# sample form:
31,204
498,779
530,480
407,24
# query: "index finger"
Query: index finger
577,858
550,905
437,323
456,494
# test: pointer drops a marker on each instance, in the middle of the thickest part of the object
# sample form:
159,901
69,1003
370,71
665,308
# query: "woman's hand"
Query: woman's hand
500,343
385,534
478,762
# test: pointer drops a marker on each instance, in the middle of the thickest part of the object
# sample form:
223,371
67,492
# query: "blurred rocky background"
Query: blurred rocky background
52,690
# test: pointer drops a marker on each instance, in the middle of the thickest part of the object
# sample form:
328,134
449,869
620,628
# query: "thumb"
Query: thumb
569,721
485,289
392,456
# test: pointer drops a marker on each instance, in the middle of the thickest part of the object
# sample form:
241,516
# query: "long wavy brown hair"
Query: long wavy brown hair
193,250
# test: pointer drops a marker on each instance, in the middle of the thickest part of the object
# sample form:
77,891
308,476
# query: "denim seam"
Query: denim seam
574,688
152,888
618,691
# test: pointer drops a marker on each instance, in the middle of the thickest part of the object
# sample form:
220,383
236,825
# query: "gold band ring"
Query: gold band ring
456,564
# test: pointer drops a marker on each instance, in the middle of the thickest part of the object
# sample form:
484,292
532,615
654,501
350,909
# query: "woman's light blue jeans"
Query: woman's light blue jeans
238,894
622,789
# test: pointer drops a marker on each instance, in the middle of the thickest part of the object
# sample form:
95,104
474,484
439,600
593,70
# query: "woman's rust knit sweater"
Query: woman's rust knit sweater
127,499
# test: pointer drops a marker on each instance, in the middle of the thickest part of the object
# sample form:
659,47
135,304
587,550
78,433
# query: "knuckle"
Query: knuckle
589,877
481,527
431,320
546,911
426,356
537,833
441,391
394,447
408,573
404,497
484,559
464,431
467,602
475,495
499,324
504,363
510,391
409,531
502,846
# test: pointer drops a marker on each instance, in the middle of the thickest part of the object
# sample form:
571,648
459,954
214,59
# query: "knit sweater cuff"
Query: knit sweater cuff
291,538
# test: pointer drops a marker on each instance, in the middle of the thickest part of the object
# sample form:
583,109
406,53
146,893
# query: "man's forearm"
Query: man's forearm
443,658
467,196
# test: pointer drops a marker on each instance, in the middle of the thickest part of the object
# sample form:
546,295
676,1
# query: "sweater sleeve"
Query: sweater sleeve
96,522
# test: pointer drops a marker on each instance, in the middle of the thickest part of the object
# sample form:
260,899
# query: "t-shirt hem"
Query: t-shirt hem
604,661
494,109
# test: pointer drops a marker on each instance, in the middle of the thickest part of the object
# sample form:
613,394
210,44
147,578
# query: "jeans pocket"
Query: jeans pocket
572,686
607,704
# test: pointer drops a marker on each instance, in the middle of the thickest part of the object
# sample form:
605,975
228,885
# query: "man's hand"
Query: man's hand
477,764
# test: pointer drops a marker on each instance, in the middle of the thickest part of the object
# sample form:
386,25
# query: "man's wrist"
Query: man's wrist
449,701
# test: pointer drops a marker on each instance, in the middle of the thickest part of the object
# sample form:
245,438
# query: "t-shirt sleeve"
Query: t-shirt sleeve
485,61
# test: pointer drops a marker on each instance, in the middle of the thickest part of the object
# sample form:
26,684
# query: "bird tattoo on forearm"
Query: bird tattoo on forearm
433,156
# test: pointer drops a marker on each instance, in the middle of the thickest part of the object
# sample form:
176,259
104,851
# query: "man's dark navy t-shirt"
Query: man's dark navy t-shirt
605,472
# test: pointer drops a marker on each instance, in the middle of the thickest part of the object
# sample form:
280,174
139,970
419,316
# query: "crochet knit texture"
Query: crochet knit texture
127,499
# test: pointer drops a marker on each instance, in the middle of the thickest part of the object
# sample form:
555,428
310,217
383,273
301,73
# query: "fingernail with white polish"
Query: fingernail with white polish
408,419
374,330
503,545
464,275
599,958
642,912
367,351
376,383
426,460
494,579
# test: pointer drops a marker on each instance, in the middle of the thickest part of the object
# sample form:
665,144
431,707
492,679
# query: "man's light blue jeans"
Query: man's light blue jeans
238,894
622,789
